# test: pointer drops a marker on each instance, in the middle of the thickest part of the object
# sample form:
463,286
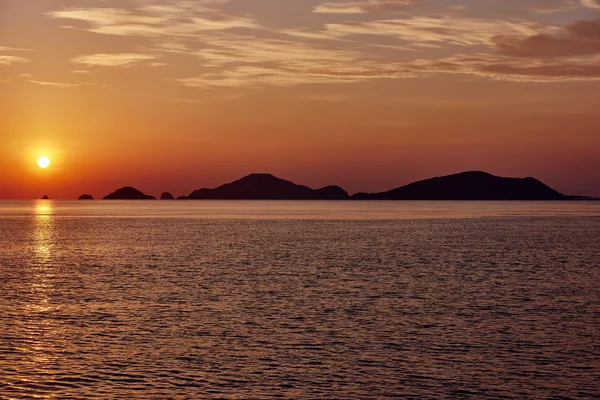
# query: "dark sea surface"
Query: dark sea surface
336,300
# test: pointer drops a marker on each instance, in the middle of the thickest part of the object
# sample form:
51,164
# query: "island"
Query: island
86,197
45,198
474,185
268,187
128,193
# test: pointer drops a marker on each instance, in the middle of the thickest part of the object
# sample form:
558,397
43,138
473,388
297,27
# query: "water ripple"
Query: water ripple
321,309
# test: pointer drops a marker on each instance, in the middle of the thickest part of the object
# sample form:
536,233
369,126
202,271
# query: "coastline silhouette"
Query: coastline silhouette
472,185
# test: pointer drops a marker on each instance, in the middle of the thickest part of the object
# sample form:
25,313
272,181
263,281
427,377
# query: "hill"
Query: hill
473,185
128,193
267,187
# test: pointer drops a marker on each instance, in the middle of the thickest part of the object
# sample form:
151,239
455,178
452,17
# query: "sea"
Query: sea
299,300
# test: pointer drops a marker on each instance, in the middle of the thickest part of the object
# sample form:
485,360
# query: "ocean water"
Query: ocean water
338,300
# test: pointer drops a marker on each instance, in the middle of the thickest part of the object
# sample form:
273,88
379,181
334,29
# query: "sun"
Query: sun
43,162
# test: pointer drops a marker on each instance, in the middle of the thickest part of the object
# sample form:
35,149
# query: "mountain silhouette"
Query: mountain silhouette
128,193
86,197
268,187
45,198
473,185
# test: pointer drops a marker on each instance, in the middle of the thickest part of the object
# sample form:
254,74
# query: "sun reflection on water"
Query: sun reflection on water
43,231
38,323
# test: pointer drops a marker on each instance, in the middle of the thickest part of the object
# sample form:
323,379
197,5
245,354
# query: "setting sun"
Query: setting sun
43,162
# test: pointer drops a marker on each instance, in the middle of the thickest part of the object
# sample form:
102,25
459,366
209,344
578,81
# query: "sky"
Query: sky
367,94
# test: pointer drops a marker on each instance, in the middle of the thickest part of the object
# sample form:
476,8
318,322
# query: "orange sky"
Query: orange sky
368,94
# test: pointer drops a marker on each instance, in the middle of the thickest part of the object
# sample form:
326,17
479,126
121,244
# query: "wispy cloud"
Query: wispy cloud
154,19
461,31
10,60
248,50
54,84
591,3
554,6
299,73
112,60
365,6
510,69
578,39
13,49
352,41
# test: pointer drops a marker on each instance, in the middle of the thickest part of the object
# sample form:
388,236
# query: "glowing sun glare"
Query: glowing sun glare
44,162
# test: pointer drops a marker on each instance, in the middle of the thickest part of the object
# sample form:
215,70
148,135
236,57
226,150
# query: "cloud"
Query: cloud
228,50
154,19
554,6
247,50
460,31
509,69
292,74
113,21
579,38
483,65
54,84
362,7
591,3
251,63
10,60
12,49
243,62
112,60
107,16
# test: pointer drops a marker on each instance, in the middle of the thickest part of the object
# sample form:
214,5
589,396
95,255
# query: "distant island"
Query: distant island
268,187
86,197
128,193
474,185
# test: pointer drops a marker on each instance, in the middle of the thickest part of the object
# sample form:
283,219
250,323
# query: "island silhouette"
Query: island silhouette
268,187
473,185
86,197
128,193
